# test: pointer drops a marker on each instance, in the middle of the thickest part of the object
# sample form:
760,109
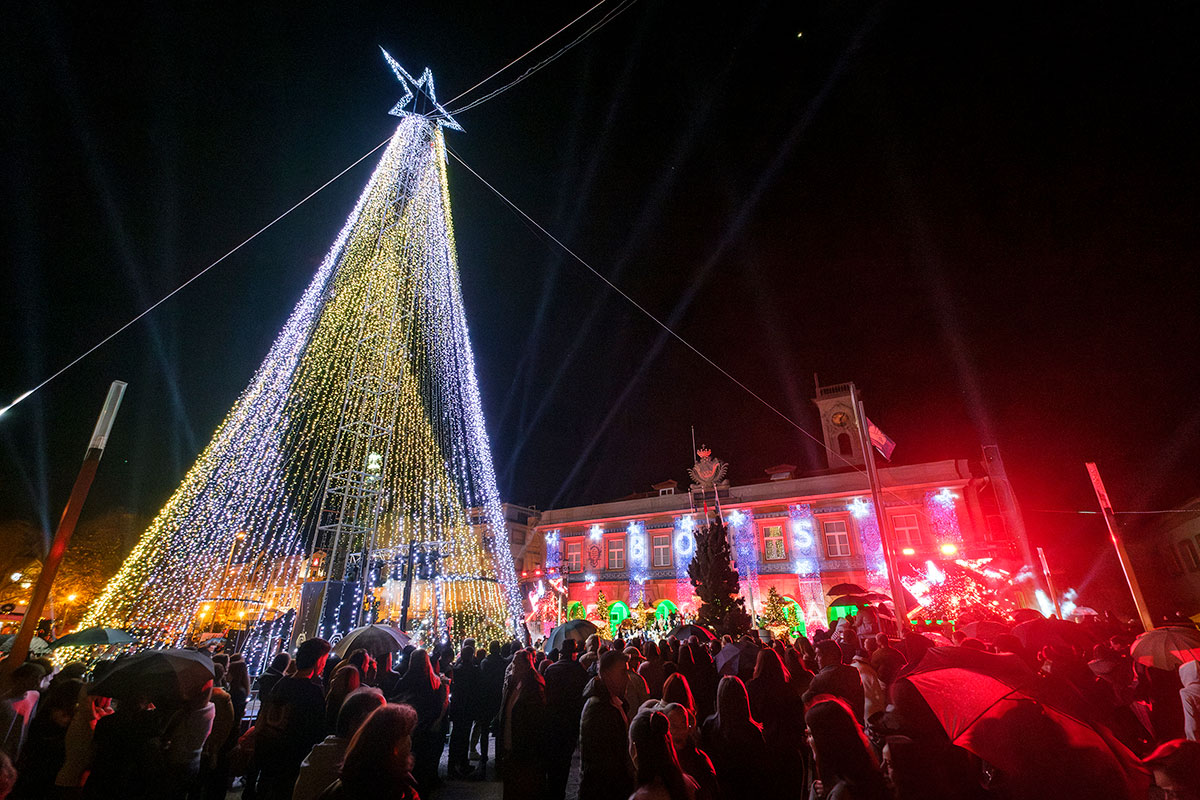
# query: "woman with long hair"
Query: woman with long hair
677,690
422,688
735,741
846,764
346,678
521,749
775,703
379,758
657,770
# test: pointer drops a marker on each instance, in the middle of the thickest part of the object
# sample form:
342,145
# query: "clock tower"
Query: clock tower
838,425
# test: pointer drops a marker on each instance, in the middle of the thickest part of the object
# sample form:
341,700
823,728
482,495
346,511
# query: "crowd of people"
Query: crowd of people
837,718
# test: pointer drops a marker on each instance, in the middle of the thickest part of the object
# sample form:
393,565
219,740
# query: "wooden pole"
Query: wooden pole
1110,519
66,526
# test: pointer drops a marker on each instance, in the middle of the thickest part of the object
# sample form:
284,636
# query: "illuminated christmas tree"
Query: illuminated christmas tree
356,458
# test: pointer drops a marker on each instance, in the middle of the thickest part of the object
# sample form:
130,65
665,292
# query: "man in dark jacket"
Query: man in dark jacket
464,700
606,771
565,682
887,660
836,678
291,722
490,690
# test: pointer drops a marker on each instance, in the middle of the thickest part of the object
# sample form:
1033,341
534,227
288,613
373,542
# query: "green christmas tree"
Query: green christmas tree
602,609
772,613
716,582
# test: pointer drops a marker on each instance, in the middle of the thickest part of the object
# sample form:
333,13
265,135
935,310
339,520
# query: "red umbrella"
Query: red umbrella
1038,736
1167,648
684,632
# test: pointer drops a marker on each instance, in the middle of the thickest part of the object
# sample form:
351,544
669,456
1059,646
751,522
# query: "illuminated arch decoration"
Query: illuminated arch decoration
618,612
793,614
664,609
576,610
361,432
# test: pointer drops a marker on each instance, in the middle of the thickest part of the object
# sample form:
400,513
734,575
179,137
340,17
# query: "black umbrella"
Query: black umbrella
378,640
737,658
846,588
37,645
685,632
577,629
1039,633
90,637
1026,614
158,674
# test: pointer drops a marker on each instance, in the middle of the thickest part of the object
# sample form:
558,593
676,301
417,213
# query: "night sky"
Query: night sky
986,216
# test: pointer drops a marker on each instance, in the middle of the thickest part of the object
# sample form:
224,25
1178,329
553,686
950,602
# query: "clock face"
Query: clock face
840,418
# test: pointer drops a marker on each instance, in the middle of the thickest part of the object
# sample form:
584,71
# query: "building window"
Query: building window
666,491
1191,559
773,547
907,532
616,553
844,446
574,557
837,538
661,549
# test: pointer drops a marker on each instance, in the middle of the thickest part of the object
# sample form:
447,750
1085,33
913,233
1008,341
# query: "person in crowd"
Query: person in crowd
278,667
704,687
521,743
657,773
17,704
836,678
386,678
565,682
491,688
887,660
80,735
322,765
291,721
238,679
45,748
214,756
606,772
424,690
379,759
677,690
734,740
184,739
847,638
874,689
345,680
591,654
651,669
124,743
692,760
8,775
776,705
846,766
1189,676
1175,767
636,691
799,675
915,646
464,702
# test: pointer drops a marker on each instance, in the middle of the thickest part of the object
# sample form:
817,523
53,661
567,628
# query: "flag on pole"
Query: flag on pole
883,443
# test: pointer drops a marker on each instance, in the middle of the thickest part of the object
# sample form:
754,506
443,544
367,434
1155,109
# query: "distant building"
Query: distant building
801,534
1165,551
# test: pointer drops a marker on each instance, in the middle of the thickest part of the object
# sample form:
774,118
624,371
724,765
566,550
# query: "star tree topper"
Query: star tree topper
421,94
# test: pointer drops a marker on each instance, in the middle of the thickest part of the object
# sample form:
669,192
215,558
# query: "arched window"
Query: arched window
576,611
844,447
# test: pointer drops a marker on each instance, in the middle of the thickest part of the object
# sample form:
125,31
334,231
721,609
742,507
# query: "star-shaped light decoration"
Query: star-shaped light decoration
421,94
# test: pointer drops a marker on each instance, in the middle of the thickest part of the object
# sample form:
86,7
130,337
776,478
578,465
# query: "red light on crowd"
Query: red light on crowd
949,549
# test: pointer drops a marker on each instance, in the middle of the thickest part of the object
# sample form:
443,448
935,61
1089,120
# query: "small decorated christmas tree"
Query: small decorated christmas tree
772,613
716,582
602,610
